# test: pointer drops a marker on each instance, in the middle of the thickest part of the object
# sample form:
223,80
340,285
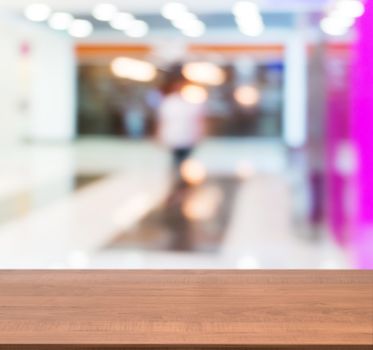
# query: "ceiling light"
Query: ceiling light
173,10
137,29
194,94
185,21
248,18
104,12
252,27
253,30
129,68
247,96
37,12
349,8
244,8
60,21
80,28
122,21
196,29
333,26
343,21
193,32
204,73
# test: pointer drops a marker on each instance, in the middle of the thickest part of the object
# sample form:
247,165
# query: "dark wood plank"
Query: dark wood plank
186,309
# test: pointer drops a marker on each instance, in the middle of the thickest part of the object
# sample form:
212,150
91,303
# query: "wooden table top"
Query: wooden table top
186,309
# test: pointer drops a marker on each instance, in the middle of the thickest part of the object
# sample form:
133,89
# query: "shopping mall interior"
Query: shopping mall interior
101,166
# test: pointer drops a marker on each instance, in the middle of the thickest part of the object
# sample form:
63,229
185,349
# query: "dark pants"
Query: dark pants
179,155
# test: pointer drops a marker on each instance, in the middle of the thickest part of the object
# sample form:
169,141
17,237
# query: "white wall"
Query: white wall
44,79
53,98
9,120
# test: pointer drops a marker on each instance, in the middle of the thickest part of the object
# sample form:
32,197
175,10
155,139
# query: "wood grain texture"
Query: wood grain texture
186,309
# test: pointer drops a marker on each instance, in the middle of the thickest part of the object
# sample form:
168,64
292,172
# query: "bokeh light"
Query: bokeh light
193,172
203,203
247,96
194,94
60,20
173,10
133,69
104,11
122,21
38,12
137,29
80,28
204,73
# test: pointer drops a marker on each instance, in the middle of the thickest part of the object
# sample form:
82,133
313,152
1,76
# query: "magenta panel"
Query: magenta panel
362,135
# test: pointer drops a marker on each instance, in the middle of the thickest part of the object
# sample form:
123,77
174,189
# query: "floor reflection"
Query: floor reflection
81,181
193,219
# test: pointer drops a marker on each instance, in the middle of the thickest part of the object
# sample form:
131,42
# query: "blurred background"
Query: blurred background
190,134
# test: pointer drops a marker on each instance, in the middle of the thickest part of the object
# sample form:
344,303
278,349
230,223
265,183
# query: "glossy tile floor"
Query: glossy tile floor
109,203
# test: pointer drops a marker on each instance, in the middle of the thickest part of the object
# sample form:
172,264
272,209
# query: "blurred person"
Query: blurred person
133,119
180,123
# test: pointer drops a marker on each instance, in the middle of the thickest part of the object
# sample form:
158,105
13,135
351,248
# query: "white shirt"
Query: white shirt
180,122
